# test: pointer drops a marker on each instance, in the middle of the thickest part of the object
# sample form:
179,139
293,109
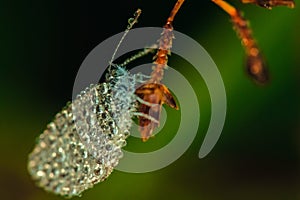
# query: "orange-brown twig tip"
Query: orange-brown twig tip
175,11
257,69
226,7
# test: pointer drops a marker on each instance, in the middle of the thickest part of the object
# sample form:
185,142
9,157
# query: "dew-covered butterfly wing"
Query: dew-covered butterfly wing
82,145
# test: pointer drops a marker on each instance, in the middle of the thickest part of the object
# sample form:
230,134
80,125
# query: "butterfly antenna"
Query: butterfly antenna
131,22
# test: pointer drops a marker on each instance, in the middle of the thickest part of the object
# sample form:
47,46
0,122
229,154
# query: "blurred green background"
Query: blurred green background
257,157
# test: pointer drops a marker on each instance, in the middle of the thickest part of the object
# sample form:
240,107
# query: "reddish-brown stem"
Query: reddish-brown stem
174,11
165,44
153,92
255,66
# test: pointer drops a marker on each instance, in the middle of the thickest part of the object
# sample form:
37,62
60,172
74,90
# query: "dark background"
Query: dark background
43,44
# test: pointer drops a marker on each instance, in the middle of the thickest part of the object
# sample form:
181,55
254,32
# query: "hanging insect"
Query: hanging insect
82,145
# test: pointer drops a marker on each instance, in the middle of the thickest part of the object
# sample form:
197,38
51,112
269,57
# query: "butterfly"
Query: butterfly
82,145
